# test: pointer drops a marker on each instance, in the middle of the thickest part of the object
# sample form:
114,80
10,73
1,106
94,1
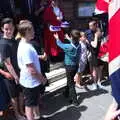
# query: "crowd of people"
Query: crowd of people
27,81
22,70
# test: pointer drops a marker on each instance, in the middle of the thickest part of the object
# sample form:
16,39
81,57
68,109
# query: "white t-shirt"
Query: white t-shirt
26,54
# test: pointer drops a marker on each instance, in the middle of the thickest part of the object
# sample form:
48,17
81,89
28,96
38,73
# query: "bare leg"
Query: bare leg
21,104
15,106
29,113
100,68
78,79
36,112
94,75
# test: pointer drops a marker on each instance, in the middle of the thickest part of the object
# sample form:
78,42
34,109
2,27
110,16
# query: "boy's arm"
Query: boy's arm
11,70
65,47
28,60
32,70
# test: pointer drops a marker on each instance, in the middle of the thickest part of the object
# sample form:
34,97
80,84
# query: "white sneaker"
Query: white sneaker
94,86
100,85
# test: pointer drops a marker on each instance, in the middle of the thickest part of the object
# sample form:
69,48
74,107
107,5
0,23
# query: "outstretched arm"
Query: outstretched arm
65,47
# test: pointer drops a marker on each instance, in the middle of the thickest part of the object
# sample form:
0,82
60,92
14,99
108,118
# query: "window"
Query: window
86,9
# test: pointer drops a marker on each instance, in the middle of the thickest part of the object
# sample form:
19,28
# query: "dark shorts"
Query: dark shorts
13,89
32,95
95,62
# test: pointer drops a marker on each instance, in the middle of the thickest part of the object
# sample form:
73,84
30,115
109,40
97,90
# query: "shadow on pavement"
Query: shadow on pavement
89,94
58,108
70,113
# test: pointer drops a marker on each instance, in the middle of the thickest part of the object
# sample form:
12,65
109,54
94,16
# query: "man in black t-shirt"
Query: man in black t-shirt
8,49
8,56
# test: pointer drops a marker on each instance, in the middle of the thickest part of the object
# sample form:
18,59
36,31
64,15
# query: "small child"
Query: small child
82,60
71,63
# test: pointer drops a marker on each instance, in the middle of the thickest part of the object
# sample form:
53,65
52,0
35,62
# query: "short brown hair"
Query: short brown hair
93,22
7,21
75,34
24,25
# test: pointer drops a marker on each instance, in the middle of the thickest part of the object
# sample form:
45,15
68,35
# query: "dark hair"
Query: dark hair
93,22
6,21
75,34
24,26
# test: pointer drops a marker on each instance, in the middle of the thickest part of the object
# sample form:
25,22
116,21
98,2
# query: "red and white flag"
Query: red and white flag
102,7
113,9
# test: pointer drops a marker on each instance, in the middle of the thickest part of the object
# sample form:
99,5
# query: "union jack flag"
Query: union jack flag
113,9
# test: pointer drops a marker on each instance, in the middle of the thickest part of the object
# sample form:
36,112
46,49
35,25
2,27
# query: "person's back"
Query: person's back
71,54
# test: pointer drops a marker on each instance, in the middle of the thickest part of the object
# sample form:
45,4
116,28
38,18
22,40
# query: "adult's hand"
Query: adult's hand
112,112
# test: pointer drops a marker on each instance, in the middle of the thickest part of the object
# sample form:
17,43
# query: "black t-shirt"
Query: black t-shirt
8,49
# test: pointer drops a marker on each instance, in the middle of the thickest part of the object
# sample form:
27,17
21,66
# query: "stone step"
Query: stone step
56,75
54,66
56,85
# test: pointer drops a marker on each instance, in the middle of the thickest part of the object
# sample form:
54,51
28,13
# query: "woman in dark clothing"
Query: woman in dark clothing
95,62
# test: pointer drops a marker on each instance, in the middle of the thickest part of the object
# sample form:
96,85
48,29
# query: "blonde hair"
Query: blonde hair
24,25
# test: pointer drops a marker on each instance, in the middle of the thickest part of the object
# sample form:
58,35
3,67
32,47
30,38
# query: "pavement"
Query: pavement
93,104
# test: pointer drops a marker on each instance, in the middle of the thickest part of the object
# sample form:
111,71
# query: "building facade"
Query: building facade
78,12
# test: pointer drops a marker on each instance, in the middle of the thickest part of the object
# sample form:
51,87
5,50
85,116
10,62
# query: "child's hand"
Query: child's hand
98,34
67,37
56,36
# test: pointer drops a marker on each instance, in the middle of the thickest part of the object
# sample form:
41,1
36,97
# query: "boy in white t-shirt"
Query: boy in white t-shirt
30,72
